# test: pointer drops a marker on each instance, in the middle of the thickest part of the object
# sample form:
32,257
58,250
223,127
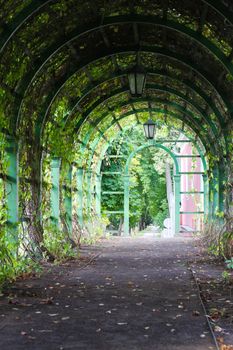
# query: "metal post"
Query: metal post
89,192
98,195
176,179
126,205
206,196
12,188
55,192
222,181
80,196
215,191
68,200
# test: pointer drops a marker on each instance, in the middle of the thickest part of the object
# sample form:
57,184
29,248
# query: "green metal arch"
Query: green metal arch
114,137
150,144
161,73
156,87
30,78
108,144
126,174
220,8
193,125
35,6
20,19
90,111
125,115
38,127
183,110
159,51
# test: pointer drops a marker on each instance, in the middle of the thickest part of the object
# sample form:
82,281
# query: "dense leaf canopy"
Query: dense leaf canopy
64,66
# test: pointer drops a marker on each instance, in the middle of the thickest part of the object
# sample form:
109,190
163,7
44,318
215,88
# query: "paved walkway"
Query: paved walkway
138,294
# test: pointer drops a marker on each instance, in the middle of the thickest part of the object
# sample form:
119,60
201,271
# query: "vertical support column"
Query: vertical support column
55,192
206,196
98,195
68,200
126,205
89,193
80,196
12,188
176,179
222,181
215,191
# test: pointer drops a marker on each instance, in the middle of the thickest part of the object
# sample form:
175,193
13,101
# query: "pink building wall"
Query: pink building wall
191,202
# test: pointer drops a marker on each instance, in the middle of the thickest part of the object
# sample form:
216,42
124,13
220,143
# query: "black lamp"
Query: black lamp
137,80
149,129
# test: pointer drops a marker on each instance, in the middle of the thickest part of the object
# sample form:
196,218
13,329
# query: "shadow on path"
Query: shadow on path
137,294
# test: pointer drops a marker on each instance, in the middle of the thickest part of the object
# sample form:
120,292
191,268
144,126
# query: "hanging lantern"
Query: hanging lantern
149,129
137,80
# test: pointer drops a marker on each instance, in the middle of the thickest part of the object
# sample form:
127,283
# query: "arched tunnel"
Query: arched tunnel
66,97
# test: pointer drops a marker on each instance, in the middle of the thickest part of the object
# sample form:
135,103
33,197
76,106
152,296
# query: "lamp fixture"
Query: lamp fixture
149,129
137,80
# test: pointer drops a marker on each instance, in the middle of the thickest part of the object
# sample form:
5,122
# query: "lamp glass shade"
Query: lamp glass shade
136,83
149,129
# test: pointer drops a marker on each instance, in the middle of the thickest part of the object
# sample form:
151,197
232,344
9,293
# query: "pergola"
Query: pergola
64,90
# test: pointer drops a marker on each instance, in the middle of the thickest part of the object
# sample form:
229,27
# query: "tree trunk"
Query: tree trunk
120,226
32,208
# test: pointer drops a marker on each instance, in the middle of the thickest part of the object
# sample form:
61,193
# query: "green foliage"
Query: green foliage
218,241
57,243
229,263
226,276
94,229
148,202
14,259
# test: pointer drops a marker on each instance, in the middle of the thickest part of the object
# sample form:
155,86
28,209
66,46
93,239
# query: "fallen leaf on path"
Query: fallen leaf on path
53,315
196,313
218,329
122,323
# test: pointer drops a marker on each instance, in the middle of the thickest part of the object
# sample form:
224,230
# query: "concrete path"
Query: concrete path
136,295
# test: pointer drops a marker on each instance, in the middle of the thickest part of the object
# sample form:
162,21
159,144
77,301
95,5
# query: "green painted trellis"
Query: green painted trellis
55,190
176,179
190,33
205,178
34,7
186,84
154,21
12,183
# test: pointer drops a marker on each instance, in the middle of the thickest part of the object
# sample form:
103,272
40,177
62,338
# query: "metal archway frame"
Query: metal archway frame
160,51
187,85
127,184
125,115
177,27
94,126
34,7
193,125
